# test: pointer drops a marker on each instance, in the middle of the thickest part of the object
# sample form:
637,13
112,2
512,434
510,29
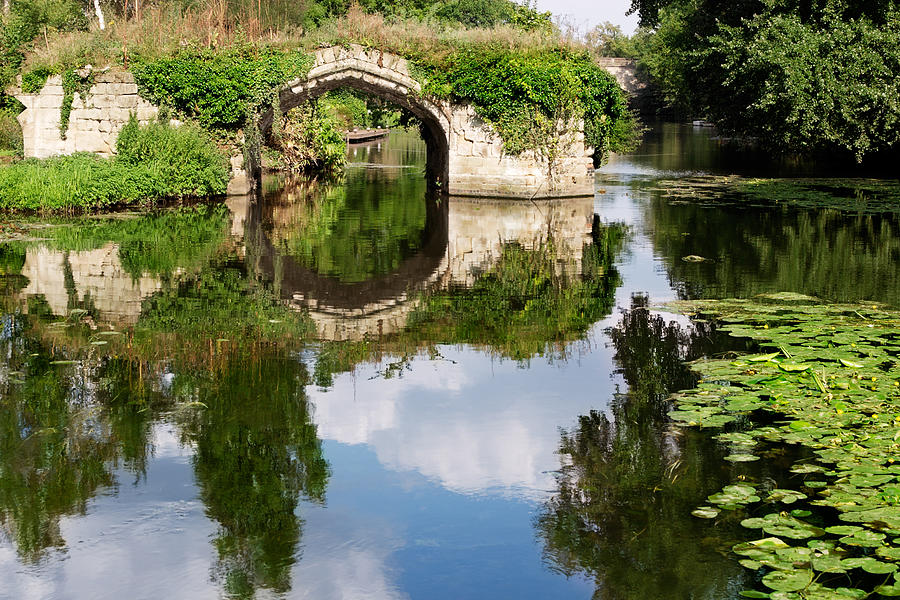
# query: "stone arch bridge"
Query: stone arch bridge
464,153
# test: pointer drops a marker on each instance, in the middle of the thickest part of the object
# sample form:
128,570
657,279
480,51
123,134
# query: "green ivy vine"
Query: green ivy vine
72,81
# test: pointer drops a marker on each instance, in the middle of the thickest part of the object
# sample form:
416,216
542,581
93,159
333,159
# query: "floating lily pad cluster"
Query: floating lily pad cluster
861,195
827,378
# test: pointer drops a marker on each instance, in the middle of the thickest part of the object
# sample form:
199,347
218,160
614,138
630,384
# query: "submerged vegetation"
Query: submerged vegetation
825,378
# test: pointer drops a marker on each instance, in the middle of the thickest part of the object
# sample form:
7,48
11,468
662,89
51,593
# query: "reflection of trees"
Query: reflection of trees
526,301
351,232
57,440
827,253
628,483
256,455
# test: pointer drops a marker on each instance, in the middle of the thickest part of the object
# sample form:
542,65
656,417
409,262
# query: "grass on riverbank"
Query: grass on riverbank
827,379
154,162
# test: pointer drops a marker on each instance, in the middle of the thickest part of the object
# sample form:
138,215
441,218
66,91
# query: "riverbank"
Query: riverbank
152,162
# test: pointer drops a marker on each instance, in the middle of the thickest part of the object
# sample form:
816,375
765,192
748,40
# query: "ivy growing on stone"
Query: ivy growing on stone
72,81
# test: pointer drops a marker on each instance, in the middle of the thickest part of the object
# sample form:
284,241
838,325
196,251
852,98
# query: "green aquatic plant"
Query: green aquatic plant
857,194
827,379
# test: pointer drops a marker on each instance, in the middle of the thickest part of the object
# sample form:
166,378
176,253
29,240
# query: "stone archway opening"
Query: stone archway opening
384,77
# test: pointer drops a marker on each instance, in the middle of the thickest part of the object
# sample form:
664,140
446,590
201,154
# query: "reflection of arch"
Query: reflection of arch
328,296
462,238
385,76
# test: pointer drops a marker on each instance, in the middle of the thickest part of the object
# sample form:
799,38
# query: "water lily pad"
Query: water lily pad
706,512
788,581
792,368
763,358
843,529
785,496
888,552
828,563
851,364
741,458
866,539
888,590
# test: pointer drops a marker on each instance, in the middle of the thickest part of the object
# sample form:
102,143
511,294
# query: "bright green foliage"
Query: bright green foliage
470,13
186,156
24,22
33,81
219,88
797,76
347,107
516,90
833,387
10,133
72,82
309,140
154,162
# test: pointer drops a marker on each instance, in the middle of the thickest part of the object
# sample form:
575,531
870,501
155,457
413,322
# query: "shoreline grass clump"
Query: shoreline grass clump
826,379
154,162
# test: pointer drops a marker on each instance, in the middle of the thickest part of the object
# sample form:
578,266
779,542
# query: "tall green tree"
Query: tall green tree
800,76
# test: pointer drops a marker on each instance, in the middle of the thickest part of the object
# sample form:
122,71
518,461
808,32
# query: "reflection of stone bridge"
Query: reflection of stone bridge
462,238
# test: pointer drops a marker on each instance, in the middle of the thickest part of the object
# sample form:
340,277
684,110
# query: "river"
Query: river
354,390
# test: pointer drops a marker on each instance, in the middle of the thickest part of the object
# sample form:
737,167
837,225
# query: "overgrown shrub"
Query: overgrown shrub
25,21
219,88
158,162
309,140
191,163
10,134
347,107
519,91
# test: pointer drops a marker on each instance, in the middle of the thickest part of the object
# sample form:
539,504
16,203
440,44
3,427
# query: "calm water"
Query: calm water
481,414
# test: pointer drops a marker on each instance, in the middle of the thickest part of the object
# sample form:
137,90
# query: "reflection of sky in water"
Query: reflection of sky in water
154,530
466,422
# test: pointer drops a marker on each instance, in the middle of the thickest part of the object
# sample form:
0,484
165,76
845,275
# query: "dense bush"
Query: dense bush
10,134
309,140
27,19
219,88
797,76
156,162
347,107
519,91
193,166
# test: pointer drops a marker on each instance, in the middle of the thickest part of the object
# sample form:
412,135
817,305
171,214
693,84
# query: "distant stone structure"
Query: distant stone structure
629,78
465,155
